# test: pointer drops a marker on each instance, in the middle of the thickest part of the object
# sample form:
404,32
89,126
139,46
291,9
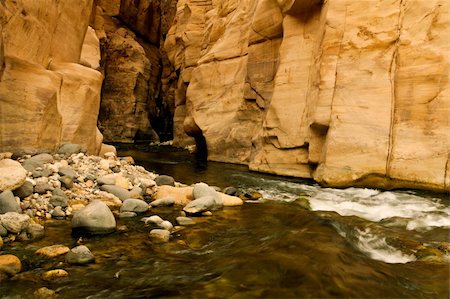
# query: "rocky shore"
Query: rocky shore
92,192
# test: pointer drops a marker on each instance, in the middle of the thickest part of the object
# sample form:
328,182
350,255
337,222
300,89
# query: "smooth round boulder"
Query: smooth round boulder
53,250
230,190
202,190
67,171
15,222
10,264
185,221
121,193
8,203
80,255
161,180
25,190
54,274
134,205
159,235
202,204
95,218
163,202
12,175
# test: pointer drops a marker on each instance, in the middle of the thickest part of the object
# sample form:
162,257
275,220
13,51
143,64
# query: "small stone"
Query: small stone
67,171
44,293
8,203
127,214
164,180
80,255
37,173
166,225
15,222
230,190
121,193
104,164
134,205
58,213
152,219
66,182
185,221
122,182
162,202
25,190
60,201
109,179
70,149
35,231
201,204
42,187
10,264
53,250
54,274
160,235
136,192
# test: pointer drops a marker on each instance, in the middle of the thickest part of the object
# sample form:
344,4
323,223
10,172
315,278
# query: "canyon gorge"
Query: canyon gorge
348,93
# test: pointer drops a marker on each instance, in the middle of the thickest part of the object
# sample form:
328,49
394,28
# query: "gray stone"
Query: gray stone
120,192
160,235
3,231
8,203
80,255
95,218
42,158
185,221
15,222
60,201
66,181
59,192
37,173
216,188
67,171
134,205
136,192
42,187
35,231
109,179
202,190
164,180
31,165
89,177
230,191
69,149
127,214
201,204
25,190
163,202
58,213
152,219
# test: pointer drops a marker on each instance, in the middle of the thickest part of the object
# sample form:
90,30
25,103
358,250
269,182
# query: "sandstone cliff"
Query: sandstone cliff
346,92
47,97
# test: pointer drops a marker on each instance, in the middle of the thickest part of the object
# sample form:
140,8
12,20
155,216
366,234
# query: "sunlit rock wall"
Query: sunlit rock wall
46,96
345,92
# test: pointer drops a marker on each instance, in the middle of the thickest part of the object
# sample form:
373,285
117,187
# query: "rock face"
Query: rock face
46,96
345,92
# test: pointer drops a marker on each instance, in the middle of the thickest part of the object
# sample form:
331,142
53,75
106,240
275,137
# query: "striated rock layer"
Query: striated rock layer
345,92
47,97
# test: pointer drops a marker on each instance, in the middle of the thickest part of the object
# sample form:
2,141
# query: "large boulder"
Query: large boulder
25,190
12,175
201,204
95,218
134,205
8,203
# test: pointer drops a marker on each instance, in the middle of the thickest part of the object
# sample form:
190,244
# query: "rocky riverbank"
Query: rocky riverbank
92,192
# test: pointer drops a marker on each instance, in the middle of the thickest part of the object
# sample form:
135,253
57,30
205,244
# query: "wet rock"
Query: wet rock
163,202
69,149
53,250
67,171
60,201
8,203
10,264
54,274
229,190
444,247
80,255
166,225
202,190
44,293
134,205
15,222
3,230
42,187
58,213
429,254
35,231
95,218
201,204
164,180
66,182
185,221
127,214
304,203
121,193
207,213
12,175
160,235
109,179
152,219
230,201
25,190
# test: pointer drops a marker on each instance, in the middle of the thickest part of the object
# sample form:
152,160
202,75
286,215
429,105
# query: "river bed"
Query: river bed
354,242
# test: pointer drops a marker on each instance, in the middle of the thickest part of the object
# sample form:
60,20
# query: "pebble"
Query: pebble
54,274
53,250
44,293
80,255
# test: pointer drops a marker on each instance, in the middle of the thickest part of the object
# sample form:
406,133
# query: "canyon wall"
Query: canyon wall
345,92
49,87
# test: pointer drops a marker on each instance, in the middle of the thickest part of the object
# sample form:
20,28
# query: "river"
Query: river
352,243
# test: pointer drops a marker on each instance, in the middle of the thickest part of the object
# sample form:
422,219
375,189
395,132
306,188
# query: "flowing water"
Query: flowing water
359,243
